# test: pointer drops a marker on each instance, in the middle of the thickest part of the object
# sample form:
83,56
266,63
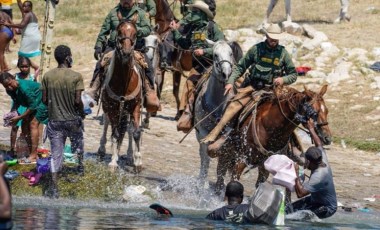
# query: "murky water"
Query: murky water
41,213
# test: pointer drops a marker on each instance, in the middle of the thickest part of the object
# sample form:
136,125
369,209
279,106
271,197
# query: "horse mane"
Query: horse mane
236,50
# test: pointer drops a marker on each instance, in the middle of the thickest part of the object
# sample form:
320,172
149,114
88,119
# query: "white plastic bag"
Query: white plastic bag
87,101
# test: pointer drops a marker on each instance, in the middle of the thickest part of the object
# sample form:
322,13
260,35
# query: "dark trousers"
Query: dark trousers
306,204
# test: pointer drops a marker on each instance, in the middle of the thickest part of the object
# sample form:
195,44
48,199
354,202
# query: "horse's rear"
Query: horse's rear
122,98
269,131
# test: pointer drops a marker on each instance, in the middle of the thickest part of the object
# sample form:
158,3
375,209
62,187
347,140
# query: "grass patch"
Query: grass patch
97,183
364,145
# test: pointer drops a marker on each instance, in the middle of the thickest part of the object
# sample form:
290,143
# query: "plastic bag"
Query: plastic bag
87,101
43,165
265,204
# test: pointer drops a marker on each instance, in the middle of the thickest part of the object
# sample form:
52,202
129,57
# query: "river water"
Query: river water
43,213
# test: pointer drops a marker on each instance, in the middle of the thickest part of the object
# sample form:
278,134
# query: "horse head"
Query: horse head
151,46
222,60
318,112
126,39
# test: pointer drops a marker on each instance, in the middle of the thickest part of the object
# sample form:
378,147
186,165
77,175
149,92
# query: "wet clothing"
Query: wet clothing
112,21
265,64
236,213
322,200
29,95
58,132
61,85
148,6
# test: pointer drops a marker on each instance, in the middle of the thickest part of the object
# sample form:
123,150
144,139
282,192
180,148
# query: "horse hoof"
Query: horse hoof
177,116
101,156
145,125
112,168
154,114
138,169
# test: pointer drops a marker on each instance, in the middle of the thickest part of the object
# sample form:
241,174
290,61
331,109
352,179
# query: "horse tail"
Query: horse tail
236,50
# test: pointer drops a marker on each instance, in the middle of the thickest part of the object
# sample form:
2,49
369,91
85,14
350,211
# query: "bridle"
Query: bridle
121,39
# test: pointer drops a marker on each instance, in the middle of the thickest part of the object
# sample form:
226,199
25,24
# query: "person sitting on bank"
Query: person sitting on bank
318,194
235,211
269,64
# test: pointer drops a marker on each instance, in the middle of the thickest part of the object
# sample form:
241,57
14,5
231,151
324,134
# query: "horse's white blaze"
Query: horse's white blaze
323,109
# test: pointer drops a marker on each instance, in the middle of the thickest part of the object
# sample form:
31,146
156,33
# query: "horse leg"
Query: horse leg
103,139
116,141
221,171
137,158
176,85
205,164
262,176
145,123
238,170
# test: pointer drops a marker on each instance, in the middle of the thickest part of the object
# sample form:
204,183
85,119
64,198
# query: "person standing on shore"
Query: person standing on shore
61,91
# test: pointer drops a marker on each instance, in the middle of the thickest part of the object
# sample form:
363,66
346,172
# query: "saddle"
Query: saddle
257,97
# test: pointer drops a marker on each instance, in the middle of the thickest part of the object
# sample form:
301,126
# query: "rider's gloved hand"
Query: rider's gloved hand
97,53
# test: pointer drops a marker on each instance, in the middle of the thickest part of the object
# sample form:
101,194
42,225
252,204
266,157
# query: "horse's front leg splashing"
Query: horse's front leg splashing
103,139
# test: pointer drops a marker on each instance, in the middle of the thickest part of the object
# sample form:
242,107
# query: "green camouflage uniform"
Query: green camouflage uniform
265,64
148,6
112,21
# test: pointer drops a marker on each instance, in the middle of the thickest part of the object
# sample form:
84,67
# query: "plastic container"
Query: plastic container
22,147
87,101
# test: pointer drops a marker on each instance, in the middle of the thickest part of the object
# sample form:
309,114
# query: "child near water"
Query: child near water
24,65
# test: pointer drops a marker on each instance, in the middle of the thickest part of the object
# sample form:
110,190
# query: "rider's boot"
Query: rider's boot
212,149
152,103
232,109
185,122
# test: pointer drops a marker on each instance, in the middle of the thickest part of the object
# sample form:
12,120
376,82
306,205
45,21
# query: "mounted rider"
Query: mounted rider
166,48
268,64
199,28
149,6
125,10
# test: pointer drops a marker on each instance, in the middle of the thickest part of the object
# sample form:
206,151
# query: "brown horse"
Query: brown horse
268,131
181,59
122,98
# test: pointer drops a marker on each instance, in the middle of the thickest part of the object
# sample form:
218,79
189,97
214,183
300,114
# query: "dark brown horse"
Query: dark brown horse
122,98
181,59
269,131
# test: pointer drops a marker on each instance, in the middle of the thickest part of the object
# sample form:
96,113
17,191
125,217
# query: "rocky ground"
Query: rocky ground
355,172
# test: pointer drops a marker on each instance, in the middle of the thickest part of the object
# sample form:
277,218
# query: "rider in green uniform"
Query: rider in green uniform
149,6
269,64
125,10
199,28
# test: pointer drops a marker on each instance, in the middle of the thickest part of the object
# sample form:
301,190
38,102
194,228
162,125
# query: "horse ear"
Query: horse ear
212,43
323,90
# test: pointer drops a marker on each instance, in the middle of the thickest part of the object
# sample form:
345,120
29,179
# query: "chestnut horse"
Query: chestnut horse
122,98
181,59
268,131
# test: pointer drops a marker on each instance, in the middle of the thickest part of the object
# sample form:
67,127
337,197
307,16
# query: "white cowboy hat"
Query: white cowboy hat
274,31
202,6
